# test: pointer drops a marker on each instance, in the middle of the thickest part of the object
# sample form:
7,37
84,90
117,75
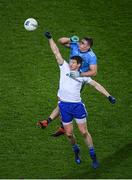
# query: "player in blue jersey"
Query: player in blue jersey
82,49
70,104
88,68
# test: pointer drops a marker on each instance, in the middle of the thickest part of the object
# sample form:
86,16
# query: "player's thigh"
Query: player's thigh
82,125
65,114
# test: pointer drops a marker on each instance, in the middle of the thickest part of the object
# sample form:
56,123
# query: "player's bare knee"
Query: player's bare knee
84,132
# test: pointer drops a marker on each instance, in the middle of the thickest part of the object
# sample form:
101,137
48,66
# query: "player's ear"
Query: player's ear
79,65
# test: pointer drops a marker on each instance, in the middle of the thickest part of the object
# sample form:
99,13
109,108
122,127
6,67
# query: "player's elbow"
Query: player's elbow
93,70
64,40
61,41
94,73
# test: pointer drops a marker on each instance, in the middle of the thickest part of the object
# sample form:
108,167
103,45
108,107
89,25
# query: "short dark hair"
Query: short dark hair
89,40
78,59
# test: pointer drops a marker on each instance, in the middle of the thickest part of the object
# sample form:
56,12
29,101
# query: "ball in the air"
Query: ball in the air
30,24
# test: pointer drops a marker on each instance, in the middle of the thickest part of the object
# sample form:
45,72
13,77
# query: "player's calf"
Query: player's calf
95,163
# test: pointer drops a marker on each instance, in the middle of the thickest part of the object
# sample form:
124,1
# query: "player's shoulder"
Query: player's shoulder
91,53
65,65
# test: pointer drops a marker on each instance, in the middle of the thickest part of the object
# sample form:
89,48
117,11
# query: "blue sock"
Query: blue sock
75,148
92,153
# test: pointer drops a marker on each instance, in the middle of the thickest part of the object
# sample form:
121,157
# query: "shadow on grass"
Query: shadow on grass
107,166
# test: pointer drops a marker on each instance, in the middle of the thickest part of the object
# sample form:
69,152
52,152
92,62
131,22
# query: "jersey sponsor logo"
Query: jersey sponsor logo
68,74
73,78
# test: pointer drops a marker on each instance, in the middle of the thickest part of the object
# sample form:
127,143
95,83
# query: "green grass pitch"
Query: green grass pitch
29,81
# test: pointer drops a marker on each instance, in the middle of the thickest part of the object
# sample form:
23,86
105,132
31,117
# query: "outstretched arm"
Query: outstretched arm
64,41
102,90
54,48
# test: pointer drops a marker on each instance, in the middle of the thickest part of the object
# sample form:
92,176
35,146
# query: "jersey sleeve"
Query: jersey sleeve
74,49
64,66
72,45
93,58
87,80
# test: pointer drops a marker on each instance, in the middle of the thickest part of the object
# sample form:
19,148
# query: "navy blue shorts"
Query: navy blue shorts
68,111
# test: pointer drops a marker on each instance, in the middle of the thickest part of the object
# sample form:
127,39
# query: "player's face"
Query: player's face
83,45
73,65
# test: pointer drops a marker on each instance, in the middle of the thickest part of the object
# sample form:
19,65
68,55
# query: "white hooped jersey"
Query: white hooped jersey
69,89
